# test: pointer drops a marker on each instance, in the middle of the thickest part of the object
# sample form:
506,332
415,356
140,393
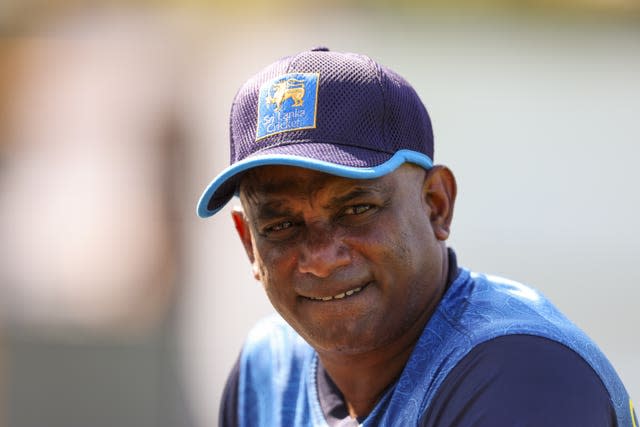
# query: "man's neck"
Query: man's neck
363,379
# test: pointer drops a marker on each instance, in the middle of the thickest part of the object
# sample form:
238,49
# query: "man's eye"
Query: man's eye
357,209
279,227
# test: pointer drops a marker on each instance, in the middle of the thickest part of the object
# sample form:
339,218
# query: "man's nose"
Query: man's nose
322,252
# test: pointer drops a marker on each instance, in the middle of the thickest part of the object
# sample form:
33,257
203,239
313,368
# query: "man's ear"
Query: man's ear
244,232
439,192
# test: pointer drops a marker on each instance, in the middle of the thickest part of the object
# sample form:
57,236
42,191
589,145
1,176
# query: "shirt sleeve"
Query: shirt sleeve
521,380
228,416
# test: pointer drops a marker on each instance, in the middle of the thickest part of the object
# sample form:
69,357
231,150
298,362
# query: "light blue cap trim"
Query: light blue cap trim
400,157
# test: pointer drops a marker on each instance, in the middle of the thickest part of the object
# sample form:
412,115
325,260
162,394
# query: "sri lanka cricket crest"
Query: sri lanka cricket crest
287,103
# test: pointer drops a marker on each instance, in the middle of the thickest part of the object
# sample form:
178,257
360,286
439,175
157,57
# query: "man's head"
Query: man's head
352,265
344,215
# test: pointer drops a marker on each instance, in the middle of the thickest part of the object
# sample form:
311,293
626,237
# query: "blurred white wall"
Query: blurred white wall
86,238
88,246
537,118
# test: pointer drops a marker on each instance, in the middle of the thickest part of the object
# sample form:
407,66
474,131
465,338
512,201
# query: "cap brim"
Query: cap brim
346,161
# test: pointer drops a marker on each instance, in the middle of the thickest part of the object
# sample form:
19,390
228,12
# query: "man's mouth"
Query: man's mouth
339,296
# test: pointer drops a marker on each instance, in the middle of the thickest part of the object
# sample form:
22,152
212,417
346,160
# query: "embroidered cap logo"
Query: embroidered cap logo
287,103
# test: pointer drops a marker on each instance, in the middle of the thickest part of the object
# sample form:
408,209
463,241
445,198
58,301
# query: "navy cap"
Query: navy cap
339,113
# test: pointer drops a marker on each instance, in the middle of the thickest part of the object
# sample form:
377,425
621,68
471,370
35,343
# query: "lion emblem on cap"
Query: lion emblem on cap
285,89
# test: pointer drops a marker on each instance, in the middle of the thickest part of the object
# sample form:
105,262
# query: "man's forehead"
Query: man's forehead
274,184
275,179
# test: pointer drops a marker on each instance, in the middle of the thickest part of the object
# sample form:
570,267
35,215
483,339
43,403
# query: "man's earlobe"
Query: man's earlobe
440,191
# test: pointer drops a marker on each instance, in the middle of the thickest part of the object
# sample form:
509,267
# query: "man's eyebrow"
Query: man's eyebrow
370,190
272,209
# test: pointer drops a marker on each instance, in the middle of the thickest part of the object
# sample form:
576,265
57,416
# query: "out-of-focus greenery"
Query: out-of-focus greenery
15,13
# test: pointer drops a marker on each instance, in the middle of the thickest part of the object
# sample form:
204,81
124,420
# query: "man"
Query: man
344,219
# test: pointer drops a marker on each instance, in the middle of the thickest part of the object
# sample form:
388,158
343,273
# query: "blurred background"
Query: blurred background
118,306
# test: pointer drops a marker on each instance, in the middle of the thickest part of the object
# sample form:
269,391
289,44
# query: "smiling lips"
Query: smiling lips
339,296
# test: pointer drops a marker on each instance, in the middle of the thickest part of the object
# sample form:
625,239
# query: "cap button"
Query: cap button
320,49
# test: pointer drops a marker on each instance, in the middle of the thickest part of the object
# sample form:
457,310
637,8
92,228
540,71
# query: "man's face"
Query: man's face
352,265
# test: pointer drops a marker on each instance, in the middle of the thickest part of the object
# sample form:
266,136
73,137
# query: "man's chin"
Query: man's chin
345,344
